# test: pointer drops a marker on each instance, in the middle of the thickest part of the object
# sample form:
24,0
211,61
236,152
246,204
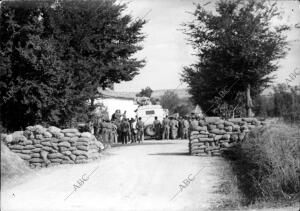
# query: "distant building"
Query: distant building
124,101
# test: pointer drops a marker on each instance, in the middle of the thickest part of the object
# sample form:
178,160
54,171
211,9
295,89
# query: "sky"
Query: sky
167,51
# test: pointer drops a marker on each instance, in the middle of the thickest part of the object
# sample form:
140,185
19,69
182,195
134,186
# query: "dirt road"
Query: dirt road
155,175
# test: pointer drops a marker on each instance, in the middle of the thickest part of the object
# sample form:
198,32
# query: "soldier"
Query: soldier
133,131
174,128
140,130
104,129
114,133
125,128
180,128
194,124
157,127
96,122
166,128
186,126
116,116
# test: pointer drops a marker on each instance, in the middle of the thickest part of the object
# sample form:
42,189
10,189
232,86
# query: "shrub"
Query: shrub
267,164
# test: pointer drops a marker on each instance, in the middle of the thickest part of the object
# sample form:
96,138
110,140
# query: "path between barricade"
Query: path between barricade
154,175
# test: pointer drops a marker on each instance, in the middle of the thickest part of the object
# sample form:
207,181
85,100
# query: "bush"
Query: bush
267,164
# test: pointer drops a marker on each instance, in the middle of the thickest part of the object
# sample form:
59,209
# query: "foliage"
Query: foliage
170,100
31,73
225,110
97,41
145,92
235,46
283,103
54,56
267,164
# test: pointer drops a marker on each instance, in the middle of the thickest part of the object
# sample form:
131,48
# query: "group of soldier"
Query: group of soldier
171,128
120,129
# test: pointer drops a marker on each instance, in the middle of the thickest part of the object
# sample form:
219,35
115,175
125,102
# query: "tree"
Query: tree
54,56
31,73
169,100
284,102
97,41
236,50
145,92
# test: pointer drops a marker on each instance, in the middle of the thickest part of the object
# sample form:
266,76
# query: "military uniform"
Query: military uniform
186,126
125,131
140,131
174,128
157,128
166,128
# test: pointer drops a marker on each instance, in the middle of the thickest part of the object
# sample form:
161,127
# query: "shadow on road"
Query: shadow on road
171,154
139,144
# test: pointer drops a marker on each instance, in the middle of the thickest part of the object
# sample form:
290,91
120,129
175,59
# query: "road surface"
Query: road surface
155,175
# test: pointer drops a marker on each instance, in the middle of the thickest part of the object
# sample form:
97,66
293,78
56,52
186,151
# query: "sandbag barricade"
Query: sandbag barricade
215,135
42,147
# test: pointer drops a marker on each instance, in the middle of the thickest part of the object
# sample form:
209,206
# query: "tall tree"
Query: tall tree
170,100
54,56
31,77
97,41
236,49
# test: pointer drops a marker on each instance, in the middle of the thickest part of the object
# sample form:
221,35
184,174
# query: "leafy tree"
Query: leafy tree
145,92
184,109
284,103
169,100
54,56
31,73
97,41
236,49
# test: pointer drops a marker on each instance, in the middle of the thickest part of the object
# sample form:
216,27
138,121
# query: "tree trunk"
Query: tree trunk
92,102
249,101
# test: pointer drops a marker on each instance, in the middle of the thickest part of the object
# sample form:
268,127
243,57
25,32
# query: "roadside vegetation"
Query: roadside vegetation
265,168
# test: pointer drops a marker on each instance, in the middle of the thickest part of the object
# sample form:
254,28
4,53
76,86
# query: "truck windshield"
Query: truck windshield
150,112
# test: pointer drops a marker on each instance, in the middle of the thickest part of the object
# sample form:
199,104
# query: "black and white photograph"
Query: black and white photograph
150,105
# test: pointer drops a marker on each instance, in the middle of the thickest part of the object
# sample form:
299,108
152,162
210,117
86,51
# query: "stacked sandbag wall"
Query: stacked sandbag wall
42,147
215,135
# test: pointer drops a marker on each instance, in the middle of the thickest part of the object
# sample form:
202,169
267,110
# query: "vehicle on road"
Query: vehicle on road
148,112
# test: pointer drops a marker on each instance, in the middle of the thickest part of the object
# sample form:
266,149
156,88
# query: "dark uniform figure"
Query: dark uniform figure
140,130
125,131
133,134
157,128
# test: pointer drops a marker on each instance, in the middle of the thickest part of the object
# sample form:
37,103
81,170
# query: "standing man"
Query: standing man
174,128
114,133
133,131
186,126
105,130
140,130
157,128
166,128
180,128
125,127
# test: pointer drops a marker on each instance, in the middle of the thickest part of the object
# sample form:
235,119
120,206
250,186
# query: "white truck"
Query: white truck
148,113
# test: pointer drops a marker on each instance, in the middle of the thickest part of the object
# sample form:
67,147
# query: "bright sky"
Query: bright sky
166,50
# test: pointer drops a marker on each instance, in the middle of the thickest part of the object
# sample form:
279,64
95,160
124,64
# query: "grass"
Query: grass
265,168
